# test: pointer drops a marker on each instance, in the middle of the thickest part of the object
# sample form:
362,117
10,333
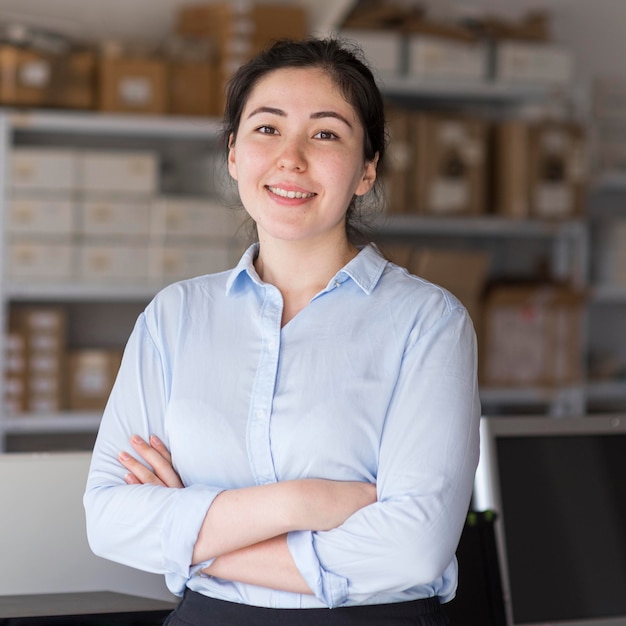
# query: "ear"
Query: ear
232,165
369,177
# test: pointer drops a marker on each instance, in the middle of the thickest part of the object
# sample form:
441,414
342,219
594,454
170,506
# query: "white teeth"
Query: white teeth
290,194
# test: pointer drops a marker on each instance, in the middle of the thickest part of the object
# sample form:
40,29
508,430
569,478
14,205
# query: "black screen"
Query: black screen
564,514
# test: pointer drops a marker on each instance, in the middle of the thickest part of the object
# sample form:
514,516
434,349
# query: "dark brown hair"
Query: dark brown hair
348,70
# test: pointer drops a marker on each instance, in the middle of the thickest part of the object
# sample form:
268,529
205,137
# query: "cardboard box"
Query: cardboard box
463,273
90,377
179,261
400,162
25,77
517,62
132,85
40,259
115,172
193,88
242,28
45,331
112,262
36,215
43,169
116,218
177,217
439,58
540,169
15,379
532,335
450,164
73,80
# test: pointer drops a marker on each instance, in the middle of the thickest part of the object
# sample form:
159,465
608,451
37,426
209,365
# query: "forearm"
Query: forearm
267,564
243,517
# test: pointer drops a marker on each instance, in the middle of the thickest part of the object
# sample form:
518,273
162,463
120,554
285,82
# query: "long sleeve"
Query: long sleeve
428,456
143,526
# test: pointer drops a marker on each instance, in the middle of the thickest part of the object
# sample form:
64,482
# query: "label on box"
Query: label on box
449,196
35,74
135,91
553,200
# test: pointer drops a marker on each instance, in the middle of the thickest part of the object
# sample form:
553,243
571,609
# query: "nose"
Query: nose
292,156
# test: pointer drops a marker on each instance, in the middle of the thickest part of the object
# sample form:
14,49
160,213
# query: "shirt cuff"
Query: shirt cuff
181,528
329,588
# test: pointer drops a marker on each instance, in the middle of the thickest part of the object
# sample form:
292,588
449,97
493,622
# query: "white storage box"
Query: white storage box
107,263
517,61
385,50
117,172
172,262
432,57
202,217
115,217
40,216
44,169
37,260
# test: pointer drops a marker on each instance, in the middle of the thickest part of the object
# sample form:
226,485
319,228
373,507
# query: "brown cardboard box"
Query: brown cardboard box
532,336
399,162
244,26
132,85
540,169
462,272
15,373
239,31
450,164
73,80
44,330
24,77
193,88
90,378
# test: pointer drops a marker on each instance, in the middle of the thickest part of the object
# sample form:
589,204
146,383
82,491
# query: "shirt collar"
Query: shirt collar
365,269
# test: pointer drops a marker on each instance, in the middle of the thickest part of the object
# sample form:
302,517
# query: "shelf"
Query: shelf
65,422
483,226
109,124
76,291
464,92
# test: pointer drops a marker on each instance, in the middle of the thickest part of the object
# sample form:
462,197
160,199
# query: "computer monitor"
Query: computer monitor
558,487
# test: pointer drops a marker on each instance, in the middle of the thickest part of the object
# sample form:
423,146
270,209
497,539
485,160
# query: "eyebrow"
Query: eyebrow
314,116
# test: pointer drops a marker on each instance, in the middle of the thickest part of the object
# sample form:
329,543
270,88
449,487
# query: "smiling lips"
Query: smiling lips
283,193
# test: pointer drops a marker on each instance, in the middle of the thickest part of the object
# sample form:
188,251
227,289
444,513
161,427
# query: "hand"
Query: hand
161,471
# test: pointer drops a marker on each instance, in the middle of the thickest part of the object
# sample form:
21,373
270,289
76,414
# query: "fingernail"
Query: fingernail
124,456
136,439
154,440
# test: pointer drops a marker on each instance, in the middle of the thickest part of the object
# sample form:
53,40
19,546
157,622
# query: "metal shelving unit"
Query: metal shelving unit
568,239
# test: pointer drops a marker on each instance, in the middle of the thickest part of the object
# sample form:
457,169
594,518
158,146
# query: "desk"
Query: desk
84,609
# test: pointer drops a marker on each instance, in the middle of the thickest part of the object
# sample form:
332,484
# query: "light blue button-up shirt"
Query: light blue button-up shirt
374,380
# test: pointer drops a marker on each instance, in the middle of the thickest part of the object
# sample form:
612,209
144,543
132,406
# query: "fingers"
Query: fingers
157,456
139,473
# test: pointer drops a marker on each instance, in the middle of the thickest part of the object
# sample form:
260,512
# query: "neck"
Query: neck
300,271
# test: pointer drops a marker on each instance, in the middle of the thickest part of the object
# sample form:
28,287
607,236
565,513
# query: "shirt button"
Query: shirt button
271,345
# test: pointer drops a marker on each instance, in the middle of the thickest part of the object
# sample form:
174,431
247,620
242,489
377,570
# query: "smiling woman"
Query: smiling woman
304,427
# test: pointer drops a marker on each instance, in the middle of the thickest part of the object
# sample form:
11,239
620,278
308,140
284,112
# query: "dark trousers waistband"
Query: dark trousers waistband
196,609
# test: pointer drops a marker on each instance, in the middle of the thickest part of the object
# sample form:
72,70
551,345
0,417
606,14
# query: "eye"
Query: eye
327,135
267,130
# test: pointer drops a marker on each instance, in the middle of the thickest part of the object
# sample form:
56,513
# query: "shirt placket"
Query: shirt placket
258,434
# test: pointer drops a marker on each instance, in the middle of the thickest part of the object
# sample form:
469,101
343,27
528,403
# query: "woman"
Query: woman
305,426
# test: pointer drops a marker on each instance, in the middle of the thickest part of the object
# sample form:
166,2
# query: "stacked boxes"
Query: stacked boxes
97,216
90,377
239,30
449,164
540,170
43,332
